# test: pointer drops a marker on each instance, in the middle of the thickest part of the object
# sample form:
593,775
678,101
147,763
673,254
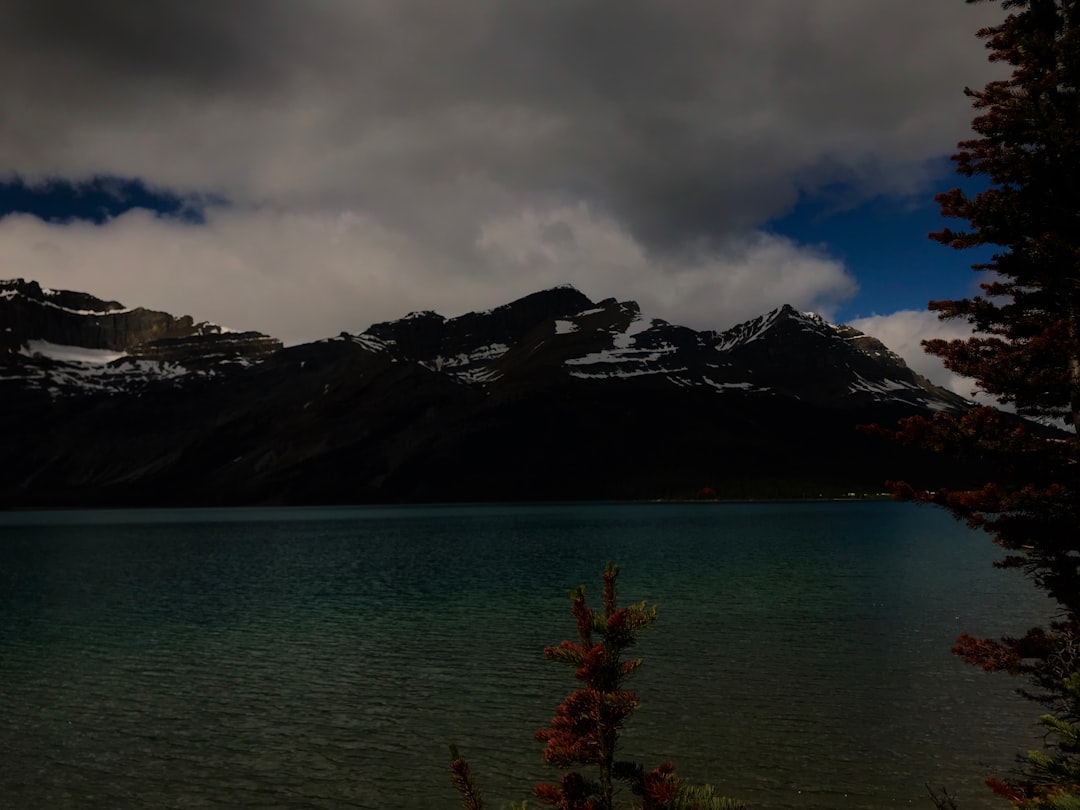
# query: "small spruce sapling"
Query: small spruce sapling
585,729
462,779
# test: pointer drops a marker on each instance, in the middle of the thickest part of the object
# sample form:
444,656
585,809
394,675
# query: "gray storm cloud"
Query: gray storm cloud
661,134
679,119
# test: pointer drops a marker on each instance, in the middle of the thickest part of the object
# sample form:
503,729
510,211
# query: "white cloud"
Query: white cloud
306,276
297,276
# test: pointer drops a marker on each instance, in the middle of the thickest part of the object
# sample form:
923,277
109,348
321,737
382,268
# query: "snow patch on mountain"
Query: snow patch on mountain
622,345
85,311
732,386
491,351
63,375
883,387
637,326
424,314
371,343
625,358
934,405
470,367
622,371
477,376
70,354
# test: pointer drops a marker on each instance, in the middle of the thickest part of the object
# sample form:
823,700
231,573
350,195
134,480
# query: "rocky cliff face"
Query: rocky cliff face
550,396
77,319
73,342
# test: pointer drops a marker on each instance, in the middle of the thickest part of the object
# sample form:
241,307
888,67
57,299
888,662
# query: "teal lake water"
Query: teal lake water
325,658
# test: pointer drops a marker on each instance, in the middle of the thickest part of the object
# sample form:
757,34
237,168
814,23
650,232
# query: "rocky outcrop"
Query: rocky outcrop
29,312
424,336
207,348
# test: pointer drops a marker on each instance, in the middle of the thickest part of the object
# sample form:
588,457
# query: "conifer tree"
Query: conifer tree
585,729
1026,350
586,726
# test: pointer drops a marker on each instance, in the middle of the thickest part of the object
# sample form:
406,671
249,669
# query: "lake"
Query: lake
326,657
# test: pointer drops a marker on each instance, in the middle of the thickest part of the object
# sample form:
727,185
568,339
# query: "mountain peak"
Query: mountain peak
564,299
788,311
428,336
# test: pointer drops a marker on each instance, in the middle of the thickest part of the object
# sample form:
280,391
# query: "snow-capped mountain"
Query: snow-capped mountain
552,395
783,353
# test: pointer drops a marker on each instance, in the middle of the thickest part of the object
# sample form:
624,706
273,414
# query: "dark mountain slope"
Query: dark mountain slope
549,397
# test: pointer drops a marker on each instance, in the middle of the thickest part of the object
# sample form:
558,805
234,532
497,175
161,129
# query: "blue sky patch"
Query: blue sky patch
98,200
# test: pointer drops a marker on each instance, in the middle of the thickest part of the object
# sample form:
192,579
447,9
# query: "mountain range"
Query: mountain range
552,396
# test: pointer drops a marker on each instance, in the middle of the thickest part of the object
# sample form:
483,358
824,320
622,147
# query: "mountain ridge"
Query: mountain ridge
552,395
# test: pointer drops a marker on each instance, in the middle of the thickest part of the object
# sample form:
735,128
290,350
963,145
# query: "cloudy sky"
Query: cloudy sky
304,168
